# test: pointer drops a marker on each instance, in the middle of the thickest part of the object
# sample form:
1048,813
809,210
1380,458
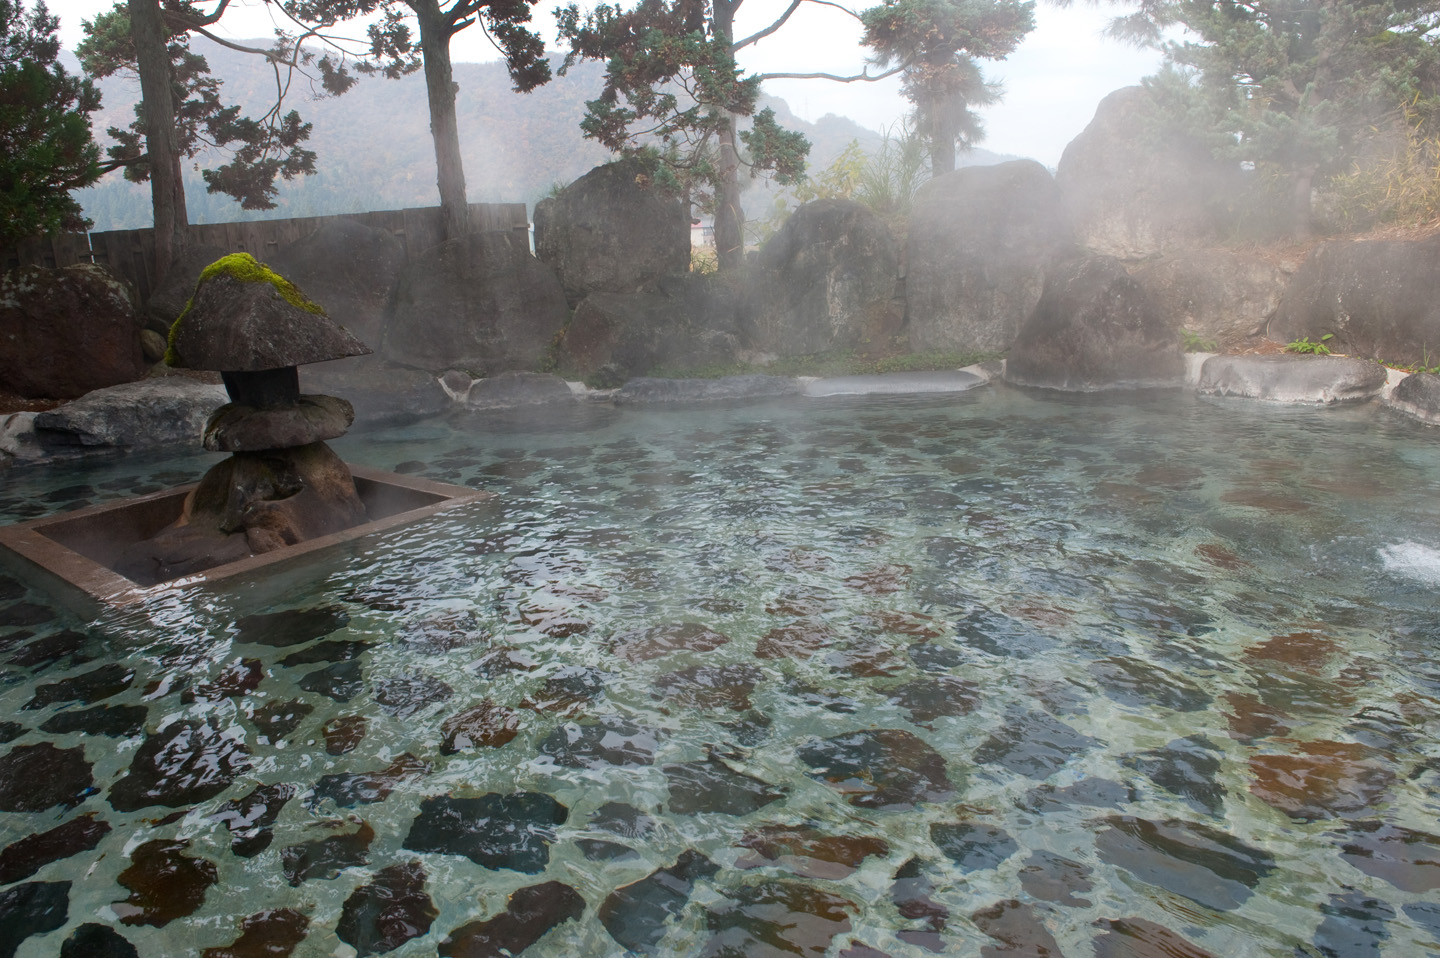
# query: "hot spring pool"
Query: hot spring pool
978,675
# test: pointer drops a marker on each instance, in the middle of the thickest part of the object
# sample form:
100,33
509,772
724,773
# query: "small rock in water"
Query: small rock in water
1051,877
343,733
1250,719
1138,684
611,740
926,918
86,689
809,852
710,686
116,721
331,650
635,915
10,731
1096,792
326,857
1195,861
775,918
25,857
1186,767
97,941
973,846
279,719
164,884
529,915
250,818
183,764
1138,938
624,820
881,580
879,768
409,695
388,912
642,645
936,658
273,933
1354,926
487,725
243,676
1407,859
364,788
25,613
31,909
1033,744
281,629
1322,780
340,681
928,698
36,777
713,786
570,686
1018,926
53,648
798,641
496,831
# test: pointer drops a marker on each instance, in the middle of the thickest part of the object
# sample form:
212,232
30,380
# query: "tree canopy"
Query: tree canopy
46,150
395,51
1298,87
936,44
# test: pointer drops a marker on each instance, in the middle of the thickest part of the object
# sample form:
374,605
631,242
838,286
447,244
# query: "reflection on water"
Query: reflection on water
990,674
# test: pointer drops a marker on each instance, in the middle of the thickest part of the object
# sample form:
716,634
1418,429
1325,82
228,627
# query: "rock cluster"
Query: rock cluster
282,484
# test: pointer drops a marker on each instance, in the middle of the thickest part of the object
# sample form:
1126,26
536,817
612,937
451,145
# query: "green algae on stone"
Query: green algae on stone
244,317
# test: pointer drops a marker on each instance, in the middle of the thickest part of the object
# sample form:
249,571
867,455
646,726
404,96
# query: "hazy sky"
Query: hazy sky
1052,83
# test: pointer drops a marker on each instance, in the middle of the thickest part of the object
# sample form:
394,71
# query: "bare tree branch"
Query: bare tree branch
866,76
794,5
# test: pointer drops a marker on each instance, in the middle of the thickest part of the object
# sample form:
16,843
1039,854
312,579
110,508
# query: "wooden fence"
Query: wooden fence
131,253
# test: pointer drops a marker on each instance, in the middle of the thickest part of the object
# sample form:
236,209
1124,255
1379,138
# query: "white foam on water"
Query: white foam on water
1413,561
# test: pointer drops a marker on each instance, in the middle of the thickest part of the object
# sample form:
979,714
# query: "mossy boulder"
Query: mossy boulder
64,332
245,318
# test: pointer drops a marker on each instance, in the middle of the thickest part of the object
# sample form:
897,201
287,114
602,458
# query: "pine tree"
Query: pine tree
46,150
1296,87
937,43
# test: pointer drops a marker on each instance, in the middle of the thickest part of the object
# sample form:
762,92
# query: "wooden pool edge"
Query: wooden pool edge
40,545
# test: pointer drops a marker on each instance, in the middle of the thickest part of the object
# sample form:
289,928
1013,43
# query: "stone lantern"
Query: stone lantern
282,484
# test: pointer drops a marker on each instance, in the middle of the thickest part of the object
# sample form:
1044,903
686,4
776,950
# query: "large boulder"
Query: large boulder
64,332
170,297
612,231
518,389
1417,396
825,277
481,303
348,268
1292,378
152,412
981,240
689,322
1131,192
1222,296
1380,299
1095,328
381,394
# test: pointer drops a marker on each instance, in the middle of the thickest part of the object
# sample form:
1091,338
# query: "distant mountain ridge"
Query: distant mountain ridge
374,149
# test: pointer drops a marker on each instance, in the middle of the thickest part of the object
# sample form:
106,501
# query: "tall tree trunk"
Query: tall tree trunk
435,32
729,214
1302,217
167,189
943,134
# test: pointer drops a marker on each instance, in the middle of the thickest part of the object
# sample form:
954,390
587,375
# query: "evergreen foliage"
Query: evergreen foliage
937,43
1299,88
46,150
260,151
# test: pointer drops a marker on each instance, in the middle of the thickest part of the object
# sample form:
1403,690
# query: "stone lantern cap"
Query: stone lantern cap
246,318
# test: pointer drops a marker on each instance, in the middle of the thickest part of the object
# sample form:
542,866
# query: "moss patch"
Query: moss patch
246,269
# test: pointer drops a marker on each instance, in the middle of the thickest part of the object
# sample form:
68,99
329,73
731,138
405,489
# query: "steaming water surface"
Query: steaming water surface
967,675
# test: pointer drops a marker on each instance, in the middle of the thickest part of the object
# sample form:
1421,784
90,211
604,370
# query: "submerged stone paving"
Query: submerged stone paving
976,675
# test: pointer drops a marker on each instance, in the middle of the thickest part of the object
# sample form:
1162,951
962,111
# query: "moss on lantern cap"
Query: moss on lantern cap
245,317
